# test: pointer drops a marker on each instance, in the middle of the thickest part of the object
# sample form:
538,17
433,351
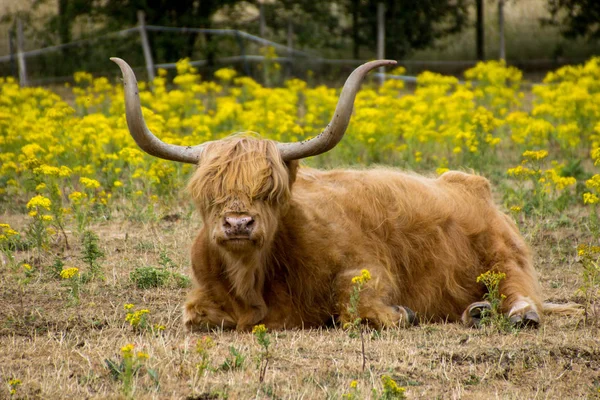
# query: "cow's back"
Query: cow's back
429,233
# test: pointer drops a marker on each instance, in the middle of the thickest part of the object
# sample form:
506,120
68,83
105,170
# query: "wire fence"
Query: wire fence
56,64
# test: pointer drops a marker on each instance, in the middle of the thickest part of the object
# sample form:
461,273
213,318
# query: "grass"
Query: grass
58,350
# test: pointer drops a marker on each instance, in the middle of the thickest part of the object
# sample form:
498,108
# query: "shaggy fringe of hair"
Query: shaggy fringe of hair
240,166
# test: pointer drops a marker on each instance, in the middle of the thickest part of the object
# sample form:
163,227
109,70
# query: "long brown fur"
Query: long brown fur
424,241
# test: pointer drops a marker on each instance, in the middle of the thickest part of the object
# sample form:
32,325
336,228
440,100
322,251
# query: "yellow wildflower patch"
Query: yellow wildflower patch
69,273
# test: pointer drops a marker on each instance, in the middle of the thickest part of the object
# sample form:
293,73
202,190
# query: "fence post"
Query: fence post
262,28
20,55
146,45
381,38
11,51
240,42
290,45
501,29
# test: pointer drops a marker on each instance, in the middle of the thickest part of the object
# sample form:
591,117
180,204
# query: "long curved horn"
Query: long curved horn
335,130
140,132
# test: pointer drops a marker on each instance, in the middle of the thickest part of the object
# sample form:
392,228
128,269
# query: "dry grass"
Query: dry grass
59,351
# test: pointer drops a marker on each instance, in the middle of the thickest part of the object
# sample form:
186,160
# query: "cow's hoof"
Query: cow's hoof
410,316
530,319
476,312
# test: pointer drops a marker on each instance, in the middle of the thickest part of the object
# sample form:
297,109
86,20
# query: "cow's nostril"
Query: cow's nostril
238,224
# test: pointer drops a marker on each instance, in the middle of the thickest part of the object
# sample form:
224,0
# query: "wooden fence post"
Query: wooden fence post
11,50
145,45
290,45
262,29
501,29
20,55
381,38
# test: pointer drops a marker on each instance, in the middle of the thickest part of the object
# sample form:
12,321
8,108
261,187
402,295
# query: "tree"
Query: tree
180,13
316,24
68,11
576,17
479,38
411,25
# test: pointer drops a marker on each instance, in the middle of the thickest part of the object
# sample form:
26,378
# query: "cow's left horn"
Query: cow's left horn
140,132
335,130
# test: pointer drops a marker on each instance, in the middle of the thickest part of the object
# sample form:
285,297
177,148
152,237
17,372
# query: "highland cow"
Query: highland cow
281,243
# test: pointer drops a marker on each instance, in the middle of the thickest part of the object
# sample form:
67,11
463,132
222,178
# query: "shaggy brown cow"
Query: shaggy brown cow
280,244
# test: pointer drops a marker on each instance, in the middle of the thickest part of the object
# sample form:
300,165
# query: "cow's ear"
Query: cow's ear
292,167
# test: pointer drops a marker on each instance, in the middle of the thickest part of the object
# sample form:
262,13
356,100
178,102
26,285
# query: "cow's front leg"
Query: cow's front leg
375,301
202,312
249,313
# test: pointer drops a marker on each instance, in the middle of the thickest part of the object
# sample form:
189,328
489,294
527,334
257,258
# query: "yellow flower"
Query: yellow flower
364,277
520,172
77,197
590,198
391,388
89,183
6,232
69,273
14,384
258,329
491,278
225,74
354,384
47,170
127,350
593,182
535,155
136,318
204,344
39,201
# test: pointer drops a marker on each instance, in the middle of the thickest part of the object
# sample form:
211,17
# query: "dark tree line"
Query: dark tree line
336,26
576,17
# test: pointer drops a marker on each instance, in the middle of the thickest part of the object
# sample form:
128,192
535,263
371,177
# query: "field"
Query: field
95,236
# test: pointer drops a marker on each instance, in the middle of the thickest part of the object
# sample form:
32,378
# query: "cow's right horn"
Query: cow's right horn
140,132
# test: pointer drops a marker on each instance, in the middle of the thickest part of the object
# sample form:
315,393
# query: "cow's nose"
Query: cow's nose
238,225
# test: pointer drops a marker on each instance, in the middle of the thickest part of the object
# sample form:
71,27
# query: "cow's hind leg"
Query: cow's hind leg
375,302
520,289
521,293
520,301
522,314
